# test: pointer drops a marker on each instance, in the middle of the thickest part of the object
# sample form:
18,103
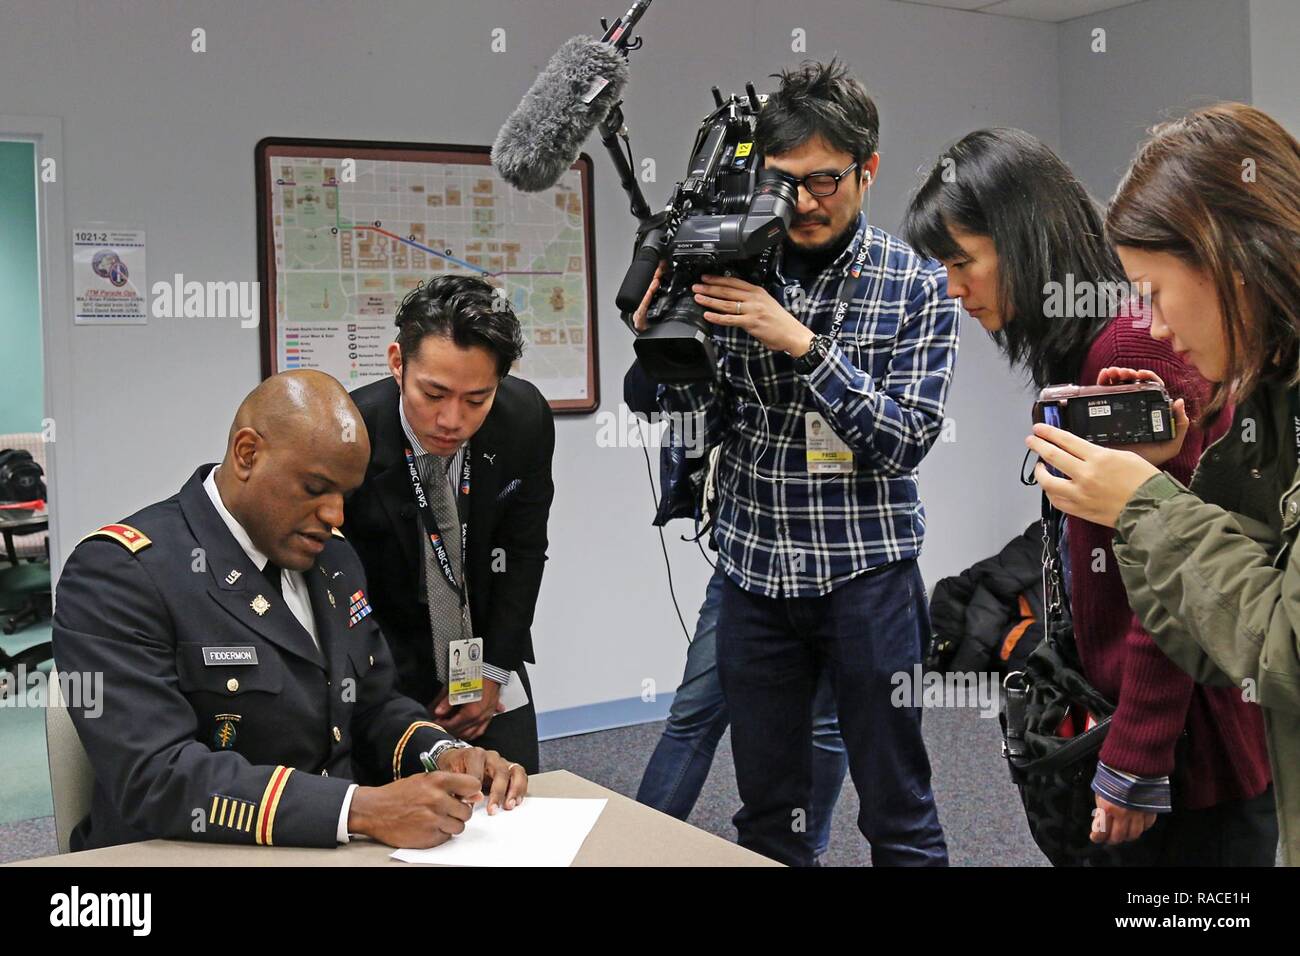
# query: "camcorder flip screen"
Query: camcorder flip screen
1109,414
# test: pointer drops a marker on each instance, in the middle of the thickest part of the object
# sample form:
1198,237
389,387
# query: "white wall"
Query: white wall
1162,58
156,134
1274,42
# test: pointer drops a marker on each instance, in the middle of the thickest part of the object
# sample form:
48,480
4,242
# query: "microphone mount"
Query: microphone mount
613,131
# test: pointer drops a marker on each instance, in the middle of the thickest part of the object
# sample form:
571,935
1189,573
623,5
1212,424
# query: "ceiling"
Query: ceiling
1052,11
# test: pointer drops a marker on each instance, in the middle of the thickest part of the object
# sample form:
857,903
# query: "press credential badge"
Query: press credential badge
465,671
826,452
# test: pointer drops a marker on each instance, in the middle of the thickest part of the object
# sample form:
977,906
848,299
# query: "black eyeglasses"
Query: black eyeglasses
822,184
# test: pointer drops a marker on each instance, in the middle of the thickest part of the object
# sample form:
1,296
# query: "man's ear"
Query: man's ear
243,451
395,361
870,168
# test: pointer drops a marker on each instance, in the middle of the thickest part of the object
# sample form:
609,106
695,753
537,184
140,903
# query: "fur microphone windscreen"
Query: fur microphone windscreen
569,99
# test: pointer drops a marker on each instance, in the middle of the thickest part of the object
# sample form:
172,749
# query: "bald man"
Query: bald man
247,691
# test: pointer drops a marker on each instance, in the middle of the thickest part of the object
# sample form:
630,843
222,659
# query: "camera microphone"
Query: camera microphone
567,101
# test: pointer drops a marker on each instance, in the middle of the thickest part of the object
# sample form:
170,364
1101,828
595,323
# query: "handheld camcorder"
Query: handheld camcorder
728,216
1109,414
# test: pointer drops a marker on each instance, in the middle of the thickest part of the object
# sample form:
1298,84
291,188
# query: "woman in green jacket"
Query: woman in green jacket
1209,216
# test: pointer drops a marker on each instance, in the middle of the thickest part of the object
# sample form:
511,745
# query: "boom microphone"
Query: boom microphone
569,99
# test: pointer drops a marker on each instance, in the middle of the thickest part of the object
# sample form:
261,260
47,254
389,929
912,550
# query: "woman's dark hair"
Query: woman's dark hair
1009,186
466,310
1220,189
819,99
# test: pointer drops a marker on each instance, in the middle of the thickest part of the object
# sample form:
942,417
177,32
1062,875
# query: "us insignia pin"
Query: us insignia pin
260,604
233,576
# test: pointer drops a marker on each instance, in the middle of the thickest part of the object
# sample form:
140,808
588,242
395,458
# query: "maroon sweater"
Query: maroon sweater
1225,756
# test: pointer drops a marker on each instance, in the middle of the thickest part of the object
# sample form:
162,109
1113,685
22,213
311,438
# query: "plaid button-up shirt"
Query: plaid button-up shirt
781,531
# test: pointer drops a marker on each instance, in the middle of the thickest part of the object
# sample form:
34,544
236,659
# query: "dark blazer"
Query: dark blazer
221,719
509,503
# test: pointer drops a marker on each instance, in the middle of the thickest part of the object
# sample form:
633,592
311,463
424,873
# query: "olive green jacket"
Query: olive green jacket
1214,575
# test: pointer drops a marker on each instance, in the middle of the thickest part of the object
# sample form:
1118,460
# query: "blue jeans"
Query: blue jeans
772,654
696,721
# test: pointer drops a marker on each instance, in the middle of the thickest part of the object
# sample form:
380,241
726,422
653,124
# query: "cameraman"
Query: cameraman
697,719
818,535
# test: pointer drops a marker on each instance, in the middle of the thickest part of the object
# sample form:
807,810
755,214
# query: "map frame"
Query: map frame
273,148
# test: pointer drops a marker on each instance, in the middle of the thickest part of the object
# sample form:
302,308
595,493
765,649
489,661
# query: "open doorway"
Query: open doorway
25,580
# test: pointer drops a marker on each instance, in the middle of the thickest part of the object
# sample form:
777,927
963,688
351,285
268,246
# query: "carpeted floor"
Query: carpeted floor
978,806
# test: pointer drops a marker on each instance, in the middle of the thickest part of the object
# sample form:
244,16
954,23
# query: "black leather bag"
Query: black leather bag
1052,772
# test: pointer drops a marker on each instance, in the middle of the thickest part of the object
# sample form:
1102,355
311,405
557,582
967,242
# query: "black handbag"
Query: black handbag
1050,744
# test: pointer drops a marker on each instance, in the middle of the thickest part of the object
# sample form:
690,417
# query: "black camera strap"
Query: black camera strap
431,523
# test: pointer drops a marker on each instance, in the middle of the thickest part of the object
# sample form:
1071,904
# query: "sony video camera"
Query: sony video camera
1109,414
729,216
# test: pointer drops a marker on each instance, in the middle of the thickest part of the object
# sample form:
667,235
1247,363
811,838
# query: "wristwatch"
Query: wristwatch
430,757
818,349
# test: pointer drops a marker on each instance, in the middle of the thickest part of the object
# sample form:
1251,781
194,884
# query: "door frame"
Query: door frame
46,134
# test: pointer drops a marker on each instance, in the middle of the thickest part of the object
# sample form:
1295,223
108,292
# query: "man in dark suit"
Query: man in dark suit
460,461
246,684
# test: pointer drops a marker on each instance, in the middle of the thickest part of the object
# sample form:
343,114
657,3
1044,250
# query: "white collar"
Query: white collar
210,486
411,437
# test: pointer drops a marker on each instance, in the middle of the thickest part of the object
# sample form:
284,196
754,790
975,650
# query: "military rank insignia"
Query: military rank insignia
223,736
130,538
358,608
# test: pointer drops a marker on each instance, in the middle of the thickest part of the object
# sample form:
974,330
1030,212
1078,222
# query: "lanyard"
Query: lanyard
431,522
850,286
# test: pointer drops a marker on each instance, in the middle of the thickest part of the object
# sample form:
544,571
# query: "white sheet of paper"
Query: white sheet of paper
541,831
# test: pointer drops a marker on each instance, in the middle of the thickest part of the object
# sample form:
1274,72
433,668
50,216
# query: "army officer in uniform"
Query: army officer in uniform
248,692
